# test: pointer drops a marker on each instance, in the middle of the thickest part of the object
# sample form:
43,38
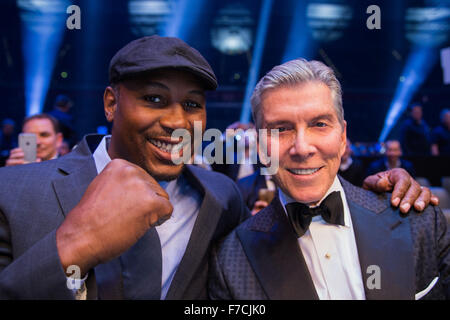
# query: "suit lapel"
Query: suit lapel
384,248
142,268
78,171
70,188
272,249
199,242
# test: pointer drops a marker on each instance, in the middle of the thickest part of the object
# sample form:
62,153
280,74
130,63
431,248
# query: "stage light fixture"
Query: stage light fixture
232,30
327,21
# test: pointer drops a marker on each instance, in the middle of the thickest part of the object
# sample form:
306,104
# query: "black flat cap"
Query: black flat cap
155,52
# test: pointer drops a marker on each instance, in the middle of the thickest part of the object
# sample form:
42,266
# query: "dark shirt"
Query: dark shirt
66,125
415,138
441,137
6,144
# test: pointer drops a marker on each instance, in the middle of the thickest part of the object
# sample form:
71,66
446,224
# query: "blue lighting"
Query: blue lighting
327,21
232,30
427,29
43,25
300,42
148,17
184,16
419,64
256,60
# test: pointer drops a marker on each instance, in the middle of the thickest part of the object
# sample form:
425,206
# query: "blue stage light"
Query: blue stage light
427,29
232,30
327,21
148,17
419,64
43,25
258,49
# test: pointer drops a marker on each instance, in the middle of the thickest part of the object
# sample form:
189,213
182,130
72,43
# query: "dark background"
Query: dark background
368,62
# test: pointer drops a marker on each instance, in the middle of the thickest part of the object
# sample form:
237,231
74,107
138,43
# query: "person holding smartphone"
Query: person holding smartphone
48,140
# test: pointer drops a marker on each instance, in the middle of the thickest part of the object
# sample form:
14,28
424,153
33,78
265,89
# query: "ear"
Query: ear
110,103
343,137
59,139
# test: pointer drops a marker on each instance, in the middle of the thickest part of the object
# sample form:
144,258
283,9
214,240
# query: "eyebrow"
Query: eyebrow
327,116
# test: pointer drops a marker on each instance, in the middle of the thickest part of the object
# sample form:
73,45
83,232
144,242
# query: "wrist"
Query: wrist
73,251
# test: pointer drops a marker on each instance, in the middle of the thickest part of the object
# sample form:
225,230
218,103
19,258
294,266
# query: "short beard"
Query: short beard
166,177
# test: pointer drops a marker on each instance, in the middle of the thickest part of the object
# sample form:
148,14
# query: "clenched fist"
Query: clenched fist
118,207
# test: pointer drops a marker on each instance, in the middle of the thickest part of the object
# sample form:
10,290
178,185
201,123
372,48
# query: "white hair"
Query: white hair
295,72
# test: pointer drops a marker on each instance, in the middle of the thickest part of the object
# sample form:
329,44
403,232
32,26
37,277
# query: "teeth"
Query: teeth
167,147
303,171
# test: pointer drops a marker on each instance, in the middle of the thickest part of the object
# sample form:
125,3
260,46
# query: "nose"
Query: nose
174,118
303,145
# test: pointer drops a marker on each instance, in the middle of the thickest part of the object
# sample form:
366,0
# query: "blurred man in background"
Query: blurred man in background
351,169
392,160
440,137
48,138
61,112
415,133
8,138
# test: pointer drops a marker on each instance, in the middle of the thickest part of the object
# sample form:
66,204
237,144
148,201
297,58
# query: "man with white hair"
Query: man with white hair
321,237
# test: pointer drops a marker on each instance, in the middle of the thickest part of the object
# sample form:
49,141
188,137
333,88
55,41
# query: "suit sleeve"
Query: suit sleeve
35,274
443,250
217,287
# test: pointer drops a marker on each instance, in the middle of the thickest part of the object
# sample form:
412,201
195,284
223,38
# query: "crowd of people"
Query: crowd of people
136,225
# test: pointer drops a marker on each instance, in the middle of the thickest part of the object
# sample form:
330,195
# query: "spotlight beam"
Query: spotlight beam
300,42
419,64
257,57
184,17
43,26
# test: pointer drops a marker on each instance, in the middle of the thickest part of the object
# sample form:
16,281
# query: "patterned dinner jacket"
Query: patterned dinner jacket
261,259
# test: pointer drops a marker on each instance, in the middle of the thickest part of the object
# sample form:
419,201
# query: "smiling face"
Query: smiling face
146,110
311,138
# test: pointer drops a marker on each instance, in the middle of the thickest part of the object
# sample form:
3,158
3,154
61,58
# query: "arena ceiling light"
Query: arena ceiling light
232,30
327,21
428,26
149,17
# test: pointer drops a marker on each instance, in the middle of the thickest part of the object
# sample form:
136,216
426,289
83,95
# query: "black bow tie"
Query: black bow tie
331,210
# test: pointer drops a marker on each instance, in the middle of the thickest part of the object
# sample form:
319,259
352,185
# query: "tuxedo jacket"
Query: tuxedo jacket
34,200
261,258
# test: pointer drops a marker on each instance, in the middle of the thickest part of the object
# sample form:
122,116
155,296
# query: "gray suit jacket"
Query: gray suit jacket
35,198
261,259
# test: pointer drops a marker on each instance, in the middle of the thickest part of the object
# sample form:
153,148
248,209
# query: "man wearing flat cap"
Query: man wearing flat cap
117,213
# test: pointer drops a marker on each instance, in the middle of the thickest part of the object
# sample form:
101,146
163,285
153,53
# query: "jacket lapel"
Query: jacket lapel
272,249
77,172
200,240
142,268
384,245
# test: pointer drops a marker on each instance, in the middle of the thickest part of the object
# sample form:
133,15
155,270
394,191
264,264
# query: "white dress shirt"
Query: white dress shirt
331,254
174,233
